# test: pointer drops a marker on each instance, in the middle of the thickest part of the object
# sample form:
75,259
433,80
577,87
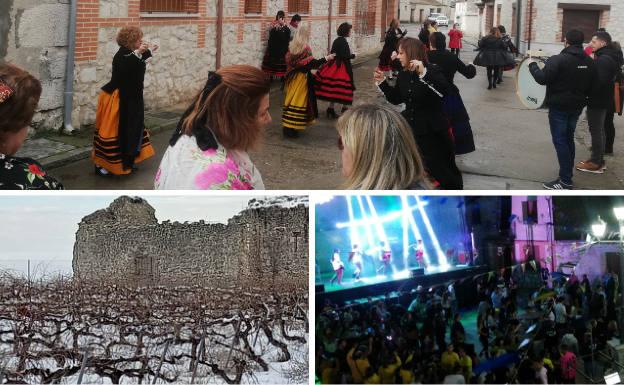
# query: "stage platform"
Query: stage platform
375,286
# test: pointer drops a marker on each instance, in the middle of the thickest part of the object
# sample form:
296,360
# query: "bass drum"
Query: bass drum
531,94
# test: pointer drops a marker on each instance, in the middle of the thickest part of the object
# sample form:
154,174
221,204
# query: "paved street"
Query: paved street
514,149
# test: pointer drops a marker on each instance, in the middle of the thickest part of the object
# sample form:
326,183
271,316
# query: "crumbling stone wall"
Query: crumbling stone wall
267,245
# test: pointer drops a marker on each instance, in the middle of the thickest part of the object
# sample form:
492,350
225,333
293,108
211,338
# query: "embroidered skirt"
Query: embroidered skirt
334,84
106,151
296,110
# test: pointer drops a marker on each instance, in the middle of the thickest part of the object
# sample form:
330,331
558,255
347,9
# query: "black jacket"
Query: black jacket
450,64
422,98
568,78
390,44
128,76
493,52
340,47
607,60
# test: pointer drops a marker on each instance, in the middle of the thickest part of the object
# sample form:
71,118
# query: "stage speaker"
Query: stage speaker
320,288
417,272
529,211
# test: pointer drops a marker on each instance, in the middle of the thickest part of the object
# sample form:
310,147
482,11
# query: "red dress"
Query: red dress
455,38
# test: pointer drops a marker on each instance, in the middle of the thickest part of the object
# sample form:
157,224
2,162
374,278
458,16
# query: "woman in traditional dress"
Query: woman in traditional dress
509,45
422,87
274,63
493,54
393,35
19,96
300,109
334,81
121,139
454,107
208,151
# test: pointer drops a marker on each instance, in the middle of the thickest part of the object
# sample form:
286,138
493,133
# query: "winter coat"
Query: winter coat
493,52
422,98
390,44
568,78
602,96
450,64
455,38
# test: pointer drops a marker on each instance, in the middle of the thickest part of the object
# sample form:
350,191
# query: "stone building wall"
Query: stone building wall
33,36
188,46
260,245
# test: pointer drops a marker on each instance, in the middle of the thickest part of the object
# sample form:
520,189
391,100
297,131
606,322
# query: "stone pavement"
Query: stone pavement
514,149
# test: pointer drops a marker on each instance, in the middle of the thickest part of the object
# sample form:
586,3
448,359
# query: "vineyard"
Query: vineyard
67,331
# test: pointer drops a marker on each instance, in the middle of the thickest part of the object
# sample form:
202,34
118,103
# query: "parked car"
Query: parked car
442,20
433,16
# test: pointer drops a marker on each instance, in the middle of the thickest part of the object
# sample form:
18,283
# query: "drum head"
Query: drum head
531,94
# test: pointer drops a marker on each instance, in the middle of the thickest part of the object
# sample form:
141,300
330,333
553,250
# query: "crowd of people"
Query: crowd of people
209,149
420,336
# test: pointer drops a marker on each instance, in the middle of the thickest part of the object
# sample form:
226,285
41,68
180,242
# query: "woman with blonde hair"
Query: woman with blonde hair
300,109
121,139
208,151
378,150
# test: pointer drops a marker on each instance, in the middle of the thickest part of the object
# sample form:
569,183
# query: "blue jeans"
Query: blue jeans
562,126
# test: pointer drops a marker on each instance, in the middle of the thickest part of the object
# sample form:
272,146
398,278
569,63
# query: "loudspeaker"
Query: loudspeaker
417,272
320,288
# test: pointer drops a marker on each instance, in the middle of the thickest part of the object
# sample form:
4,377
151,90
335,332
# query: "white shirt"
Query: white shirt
336,262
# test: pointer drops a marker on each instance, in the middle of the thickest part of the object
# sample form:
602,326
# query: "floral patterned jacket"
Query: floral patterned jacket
24,174
186,167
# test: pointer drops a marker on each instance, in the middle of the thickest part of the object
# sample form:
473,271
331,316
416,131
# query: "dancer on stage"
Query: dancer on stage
355,257
338,267
385,257
274,63
334,81
422,88
493,54
391,42
420,254
121,139
299,109
452,102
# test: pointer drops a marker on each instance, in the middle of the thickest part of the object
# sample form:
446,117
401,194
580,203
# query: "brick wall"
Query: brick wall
188,44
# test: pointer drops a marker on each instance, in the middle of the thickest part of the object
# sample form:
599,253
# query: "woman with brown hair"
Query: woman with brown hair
121,139
334,80
208,151
422,87
493,55
19,96
393,35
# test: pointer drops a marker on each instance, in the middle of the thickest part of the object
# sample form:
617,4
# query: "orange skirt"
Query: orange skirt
106,152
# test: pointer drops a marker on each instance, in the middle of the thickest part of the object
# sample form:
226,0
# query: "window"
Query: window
253,6
342,7
364,23
299,6
170,6
587,21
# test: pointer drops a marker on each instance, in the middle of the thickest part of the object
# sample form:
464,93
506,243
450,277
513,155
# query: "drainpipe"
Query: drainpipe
69,70
329,25
518,22
219,33
530,17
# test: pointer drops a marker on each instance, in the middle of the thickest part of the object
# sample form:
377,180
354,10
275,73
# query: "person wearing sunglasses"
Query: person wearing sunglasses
378,150
19,96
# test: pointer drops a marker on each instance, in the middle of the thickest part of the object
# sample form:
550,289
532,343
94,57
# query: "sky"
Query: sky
43,228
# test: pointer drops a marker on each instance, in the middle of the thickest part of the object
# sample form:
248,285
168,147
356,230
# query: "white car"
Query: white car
433,16
442,20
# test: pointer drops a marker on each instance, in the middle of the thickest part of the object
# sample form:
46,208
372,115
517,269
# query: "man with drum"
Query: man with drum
602,97
568,78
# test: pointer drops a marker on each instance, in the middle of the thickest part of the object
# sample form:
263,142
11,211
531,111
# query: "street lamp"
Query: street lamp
599,228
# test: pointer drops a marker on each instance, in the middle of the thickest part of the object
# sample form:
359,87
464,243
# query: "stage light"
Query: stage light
619,213
401,274
415,231
442,262
355,240
369,233
381,233
599,228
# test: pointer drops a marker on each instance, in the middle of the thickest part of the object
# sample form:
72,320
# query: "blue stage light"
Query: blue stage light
442,262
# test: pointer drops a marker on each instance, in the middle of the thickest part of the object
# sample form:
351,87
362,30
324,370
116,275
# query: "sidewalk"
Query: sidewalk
55,150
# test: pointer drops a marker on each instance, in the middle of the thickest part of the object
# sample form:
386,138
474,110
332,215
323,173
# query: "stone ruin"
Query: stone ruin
265,244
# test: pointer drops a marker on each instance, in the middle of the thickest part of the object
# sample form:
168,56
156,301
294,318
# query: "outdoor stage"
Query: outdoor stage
381,285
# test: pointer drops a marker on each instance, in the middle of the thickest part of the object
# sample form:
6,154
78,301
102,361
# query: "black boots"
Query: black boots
331,113
290,132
